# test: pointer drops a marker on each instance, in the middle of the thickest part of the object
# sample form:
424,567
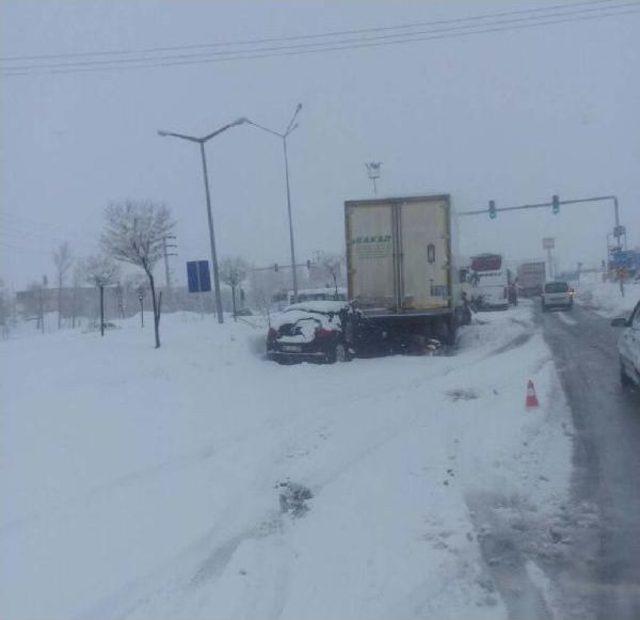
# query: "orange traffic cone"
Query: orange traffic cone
532,399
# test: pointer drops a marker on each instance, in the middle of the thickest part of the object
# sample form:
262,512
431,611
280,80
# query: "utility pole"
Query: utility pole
167,271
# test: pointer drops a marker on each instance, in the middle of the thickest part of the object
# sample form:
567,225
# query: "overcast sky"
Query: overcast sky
513,116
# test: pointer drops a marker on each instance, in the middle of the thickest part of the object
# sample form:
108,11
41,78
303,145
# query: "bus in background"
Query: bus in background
489,282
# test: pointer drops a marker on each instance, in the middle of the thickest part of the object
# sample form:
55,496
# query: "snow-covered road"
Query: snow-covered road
148,484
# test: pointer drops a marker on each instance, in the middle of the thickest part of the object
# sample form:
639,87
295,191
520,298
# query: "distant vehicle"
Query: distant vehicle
319,294
531,278
320,331
629,347
401,267
282,299
557,295
489,282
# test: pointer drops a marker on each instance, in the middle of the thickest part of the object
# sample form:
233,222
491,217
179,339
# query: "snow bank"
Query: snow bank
145,484
605,297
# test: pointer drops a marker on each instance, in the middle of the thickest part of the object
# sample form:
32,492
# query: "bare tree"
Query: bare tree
63,260
6,310
100,271
233,271
332,266
135,285
134,234
77,277
34,304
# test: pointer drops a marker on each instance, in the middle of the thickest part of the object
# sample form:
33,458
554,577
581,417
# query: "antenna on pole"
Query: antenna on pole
373,170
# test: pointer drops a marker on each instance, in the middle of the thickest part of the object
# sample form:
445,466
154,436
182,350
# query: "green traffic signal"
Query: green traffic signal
555,204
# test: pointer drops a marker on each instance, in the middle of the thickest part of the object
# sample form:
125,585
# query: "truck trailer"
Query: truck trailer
401,272
531,278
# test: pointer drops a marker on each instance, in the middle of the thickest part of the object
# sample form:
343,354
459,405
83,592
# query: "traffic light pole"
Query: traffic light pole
618,230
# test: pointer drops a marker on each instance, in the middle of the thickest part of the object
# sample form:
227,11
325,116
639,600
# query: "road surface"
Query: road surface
600,575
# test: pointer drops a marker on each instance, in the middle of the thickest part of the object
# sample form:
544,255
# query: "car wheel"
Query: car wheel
338,353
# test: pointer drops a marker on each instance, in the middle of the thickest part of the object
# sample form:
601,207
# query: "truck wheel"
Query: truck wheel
446,330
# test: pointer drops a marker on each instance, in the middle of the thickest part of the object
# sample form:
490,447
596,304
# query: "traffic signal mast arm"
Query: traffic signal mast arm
278,266
540,205
555,203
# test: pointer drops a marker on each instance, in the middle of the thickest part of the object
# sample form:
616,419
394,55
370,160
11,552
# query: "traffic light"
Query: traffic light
275,267
555,204
492,209
309,265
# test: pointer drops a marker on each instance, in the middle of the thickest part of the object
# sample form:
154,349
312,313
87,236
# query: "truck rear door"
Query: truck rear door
370,249
424,259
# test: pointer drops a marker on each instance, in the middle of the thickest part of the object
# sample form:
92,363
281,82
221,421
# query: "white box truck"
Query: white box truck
401,271
531,278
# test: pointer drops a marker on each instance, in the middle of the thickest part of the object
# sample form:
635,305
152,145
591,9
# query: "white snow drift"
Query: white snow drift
201,481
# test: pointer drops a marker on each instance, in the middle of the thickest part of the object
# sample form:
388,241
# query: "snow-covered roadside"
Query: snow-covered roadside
605,297
146,483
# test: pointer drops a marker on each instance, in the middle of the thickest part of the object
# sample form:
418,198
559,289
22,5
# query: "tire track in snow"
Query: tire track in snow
501,549
180,583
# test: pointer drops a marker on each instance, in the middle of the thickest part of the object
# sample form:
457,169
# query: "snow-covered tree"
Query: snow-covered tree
332,266
134,234
101,271
62,259
233,271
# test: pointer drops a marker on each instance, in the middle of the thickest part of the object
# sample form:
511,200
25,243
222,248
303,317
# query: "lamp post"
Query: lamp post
212,239
283,136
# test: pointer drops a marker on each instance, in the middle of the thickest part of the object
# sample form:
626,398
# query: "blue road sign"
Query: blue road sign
205,278
625,259
198,276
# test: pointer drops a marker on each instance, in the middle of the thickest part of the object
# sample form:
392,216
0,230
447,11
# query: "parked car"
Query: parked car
629,347
320,331
557,295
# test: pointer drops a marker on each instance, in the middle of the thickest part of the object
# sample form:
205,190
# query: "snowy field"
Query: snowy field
605,298
201,481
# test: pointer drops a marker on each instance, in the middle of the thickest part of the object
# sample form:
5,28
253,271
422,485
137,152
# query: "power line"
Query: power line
499,26
323,45
334,33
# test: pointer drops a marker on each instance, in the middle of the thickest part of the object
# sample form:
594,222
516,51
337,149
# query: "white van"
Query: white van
557,295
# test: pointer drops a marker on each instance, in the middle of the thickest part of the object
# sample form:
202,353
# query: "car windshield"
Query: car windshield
556,287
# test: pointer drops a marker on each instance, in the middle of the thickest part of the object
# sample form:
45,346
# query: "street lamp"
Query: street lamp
283,136
212,239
